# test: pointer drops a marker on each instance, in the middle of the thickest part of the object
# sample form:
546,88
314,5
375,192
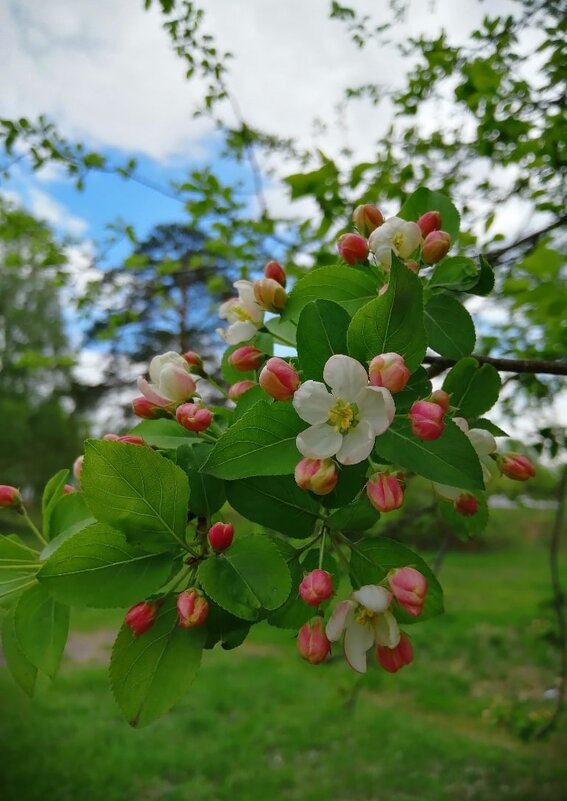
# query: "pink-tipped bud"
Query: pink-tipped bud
147,410
412,265
193,417
270,294
383,289
78,468
317,475
516,466
276,272
312,642
427,420
441,398
279,379
430,221
111,437
392,659
435,247
367,218
352,248
221,536
246,358
192,609
195,362
409,587
237,390
316,587
466,505
389,370
68,489
10,497
385,492
130,439
141,617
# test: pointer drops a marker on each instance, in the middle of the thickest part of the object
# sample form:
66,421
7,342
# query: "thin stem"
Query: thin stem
216,385
340,554
283,340
207,437
33,527
322,547
535,366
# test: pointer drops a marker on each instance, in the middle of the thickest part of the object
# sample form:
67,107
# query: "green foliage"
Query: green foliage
22,670
449,326
424,200
207,493
456,273
321,332
166,434
41,627
474,389
350,287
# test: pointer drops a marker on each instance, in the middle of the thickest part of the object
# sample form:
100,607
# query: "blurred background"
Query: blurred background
151,154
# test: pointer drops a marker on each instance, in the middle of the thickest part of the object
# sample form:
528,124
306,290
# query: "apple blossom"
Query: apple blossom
171,380
221,536
312,642
320,476
367,218
246,358
274,270
389,370
346,420
143,408
140,617
270,295
192,609
193,416
426,420
243,313
409,588
279,379
396,235
316,587
436,246
352,248
385,492
516,466
393,659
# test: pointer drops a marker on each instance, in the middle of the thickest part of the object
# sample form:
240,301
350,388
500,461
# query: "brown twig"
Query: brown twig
541,366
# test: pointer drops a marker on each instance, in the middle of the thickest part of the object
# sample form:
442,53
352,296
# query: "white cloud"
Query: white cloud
50,210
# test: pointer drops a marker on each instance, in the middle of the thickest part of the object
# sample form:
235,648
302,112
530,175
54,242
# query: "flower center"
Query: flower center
397,241
241,313
342,416
365,616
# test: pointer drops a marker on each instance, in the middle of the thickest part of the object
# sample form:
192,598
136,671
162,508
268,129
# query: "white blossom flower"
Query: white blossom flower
346,420
243,314
171,380
396,235
484,444
365,620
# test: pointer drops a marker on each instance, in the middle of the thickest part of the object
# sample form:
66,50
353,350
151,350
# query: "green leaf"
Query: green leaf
164,434
22,670
150,673
488,425
473,389
18,567
456,273
276,502
449,326
248,400
392,322
139,492
350,287
485,283
321,332
283,330
52,493
70,514
249,576
419,386
229,630
98,567
423,200
41,625
14,552
371,560
451,459
352,478
207,493
260,443
358,516
294,612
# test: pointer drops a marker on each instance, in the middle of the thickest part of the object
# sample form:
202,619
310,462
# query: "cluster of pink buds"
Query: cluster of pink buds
221,536
279,379
386,491
436,243
10,498
320,476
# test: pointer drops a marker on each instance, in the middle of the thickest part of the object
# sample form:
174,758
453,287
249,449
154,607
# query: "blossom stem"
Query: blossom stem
283,340
216,385
322,547
33,527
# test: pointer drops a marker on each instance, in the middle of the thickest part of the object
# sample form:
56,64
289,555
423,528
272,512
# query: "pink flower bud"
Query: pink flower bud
367,218
389,370
435,247
77,468
412,265
192,609
385,492
383,289
466,505
147,410
441,398
10,497
318,475
193,359
141,617
409,587
221,536
111,437
312,642
130,439
193,417
276,272
270,295
392,659
279,379
426,420
352,248
68,489
316,587
516,466
430,221
246,358
237,390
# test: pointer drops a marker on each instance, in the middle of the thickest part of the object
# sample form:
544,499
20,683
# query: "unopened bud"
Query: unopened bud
221,536
68,489
316,587
130,439
270,295
441,398
389,370
516,466
147,410
246,358
393,659
427,421
312,642
279,379
409,588
195,362
435,247
430,221
383,289
412,265
352,248
141,617
466,505
192,609
276,272
10,497
193,417
320,476
78,467
237,390
367,218
385,492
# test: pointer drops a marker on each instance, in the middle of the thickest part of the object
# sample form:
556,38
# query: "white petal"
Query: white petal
386,630
318,442
312,402
376,406
149,391
158,363
489,469
239,332
245,291
225,309
340,618
345,376
447,492
482,441
373,597
357,444
412,237
358,639
462,423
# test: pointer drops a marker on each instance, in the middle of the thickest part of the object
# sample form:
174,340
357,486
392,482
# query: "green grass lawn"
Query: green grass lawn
260,724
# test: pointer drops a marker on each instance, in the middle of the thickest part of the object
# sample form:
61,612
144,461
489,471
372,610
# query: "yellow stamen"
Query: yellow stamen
342,416
242,314
397,240
365,616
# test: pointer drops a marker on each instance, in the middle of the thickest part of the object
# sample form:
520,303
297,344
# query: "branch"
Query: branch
538,366
530,239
